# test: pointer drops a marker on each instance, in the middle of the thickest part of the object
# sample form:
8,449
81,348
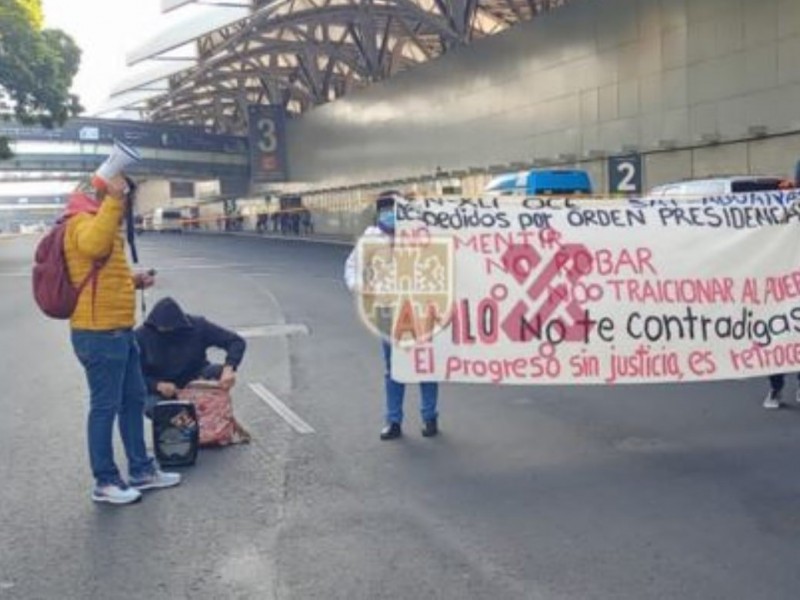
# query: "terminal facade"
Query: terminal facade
638,93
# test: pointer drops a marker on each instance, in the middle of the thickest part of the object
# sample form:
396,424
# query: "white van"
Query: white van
719,186
168,219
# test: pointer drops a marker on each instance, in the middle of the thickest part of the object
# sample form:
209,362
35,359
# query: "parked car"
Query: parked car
718,186
539,182
168,219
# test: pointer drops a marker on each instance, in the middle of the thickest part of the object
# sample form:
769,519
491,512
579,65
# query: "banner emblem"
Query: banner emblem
406,292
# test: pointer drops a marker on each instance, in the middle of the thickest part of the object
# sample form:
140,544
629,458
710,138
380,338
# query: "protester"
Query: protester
774,398
261,222
104,342
395,391
174,348
308,222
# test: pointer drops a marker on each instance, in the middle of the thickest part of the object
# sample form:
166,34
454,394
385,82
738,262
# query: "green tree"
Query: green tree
36,67
33,12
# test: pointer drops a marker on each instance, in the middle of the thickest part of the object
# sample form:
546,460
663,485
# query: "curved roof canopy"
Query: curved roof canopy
301,53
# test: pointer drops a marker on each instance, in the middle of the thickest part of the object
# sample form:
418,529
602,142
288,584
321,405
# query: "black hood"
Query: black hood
168,315
387,199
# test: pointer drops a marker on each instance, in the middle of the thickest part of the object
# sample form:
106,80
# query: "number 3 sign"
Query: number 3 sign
267,144
268,141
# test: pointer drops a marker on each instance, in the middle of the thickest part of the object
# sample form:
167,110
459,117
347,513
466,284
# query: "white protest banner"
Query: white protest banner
605,292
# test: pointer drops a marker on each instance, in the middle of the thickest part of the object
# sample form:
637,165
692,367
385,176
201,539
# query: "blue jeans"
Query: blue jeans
776,382
117,391
395,391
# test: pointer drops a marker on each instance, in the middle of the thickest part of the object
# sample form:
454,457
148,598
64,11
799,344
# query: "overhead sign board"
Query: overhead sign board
139,134
267,127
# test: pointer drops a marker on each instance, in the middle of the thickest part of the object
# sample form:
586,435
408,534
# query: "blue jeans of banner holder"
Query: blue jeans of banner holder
395,392
117,392
776,382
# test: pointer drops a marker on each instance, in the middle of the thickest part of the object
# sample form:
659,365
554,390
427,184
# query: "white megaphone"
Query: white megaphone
120,158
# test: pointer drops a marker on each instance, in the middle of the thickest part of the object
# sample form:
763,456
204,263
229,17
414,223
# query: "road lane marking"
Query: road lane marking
208,266
277,274
279,407
275,330
278,238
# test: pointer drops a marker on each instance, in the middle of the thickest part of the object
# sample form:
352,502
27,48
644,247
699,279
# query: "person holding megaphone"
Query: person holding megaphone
102,332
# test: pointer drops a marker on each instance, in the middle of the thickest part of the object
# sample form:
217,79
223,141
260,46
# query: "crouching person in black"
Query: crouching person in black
173,348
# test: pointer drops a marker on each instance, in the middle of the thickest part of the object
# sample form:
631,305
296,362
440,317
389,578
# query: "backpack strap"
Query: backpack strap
94,272
93,276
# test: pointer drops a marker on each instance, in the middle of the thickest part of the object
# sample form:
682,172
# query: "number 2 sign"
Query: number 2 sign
625,174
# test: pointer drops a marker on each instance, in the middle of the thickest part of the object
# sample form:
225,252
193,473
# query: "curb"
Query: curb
333,241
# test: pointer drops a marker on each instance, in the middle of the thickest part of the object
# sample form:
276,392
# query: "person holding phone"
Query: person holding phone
104,342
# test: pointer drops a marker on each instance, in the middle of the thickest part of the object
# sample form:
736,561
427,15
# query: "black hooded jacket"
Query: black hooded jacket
173,345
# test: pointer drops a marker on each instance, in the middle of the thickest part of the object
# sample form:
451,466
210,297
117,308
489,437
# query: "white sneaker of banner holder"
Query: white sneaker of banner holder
797,396
772,401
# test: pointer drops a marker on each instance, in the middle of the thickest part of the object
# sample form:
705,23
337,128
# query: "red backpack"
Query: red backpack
52,287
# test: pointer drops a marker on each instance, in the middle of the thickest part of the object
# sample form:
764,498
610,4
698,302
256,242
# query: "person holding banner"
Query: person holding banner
383,232
774,399
104,343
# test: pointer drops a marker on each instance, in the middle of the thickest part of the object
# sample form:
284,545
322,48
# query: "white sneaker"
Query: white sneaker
116,494
772,401
157,479
797,396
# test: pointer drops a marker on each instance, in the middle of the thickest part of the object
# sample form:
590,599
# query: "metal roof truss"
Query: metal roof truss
301,53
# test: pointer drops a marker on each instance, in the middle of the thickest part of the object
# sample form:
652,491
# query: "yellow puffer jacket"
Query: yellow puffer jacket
91,236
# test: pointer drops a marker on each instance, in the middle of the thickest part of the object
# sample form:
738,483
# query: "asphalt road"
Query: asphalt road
634,493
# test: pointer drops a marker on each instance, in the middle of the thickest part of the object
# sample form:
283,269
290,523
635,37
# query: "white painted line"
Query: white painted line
208,266
279,238
279,407
260,331
274,274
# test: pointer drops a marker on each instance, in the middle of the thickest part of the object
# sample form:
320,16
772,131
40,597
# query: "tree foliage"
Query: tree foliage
33,12
36,67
